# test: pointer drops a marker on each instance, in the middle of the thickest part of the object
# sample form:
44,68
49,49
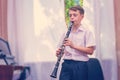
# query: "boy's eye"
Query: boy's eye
74,15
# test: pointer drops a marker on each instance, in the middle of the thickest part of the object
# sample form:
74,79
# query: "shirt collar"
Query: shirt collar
81,28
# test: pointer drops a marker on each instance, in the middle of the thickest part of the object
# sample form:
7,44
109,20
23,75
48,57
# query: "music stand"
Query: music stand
5,52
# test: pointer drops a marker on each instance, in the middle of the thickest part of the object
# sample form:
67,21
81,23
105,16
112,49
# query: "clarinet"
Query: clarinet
54,73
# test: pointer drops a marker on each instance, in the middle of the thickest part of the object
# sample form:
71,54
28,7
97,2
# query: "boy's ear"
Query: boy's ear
82,16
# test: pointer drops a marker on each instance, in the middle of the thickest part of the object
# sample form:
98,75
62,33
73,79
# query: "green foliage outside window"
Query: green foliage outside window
68,4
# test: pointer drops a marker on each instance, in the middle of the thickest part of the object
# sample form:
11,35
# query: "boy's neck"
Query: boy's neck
75,27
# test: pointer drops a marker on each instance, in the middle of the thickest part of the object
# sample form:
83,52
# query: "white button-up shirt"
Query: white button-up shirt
82,37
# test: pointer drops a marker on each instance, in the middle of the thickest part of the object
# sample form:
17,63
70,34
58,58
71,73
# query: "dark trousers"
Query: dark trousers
74,70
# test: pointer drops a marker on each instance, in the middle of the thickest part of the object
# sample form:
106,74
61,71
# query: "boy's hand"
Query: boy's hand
68,42
58,52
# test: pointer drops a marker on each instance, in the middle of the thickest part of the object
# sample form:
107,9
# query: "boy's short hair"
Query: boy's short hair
77,7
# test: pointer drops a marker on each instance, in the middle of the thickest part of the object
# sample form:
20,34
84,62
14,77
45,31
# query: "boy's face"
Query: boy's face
75,16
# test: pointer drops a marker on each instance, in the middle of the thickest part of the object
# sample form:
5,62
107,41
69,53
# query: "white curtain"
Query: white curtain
105,37
35,26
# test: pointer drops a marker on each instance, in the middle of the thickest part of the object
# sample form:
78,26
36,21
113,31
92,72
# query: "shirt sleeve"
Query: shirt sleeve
90,39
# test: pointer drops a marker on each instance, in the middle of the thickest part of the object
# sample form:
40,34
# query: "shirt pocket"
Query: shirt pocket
79,40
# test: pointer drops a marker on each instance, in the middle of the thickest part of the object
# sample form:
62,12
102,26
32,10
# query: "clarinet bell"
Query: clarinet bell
54,73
